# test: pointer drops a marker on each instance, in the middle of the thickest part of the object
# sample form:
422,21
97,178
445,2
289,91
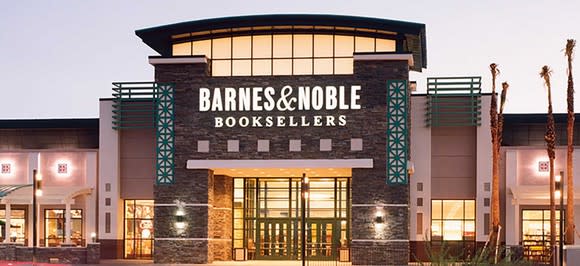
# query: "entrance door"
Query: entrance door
274,240
322,239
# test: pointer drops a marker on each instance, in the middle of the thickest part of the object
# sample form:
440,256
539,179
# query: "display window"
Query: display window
139,231
453,226
536,233
55,223
17,226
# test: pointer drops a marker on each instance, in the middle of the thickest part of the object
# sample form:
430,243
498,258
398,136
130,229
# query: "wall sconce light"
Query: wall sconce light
543,166
62,168
410,167
180,216
38,184
558,180
94,237
413,85
6,169
379,219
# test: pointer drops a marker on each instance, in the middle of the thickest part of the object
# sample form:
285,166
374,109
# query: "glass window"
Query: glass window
536,233
242,68
343,45
283,54
364,44
17,225
139,232
282,67
282,46
221,68
182,48
222,48
202,48
453,220
383,45
262,46
55,227
343,66
302,66
303,45
323,45
262,67
323,66
242,47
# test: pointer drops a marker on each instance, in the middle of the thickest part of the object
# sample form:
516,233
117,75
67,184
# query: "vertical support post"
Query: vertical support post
34,214
67,223
304,188
561,251
8,212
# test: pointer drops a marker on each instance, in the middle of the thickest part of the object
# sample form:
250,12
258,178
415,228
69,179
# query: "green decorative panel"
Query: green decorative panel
453,101
165,133
397,132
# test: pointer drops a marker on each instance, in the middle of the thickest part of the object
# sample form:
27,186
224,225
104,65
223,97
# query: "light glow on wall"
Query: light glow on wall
6,168
63,168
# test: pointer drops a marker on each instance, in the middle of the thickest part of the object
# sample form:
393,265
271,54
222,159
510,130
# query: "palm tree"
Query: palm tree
550,138
570,152
495,211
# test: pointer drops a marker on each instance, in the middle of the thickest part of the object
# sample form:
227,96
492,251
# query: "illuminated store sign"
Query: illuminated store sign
288,99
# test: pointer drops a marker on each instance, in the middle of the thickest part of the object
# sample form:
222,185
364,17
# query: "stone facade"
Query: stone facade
208,197
69,255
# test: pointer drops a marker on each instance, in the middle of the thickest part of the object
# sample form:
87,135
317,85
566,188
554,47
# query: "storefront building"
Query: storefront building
241,109
208,161
64,153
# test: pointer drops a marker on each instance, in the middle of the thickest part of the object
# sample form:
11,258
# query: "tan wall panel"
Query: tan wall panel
453,188
453,145
453,162
453,166
137,188
137,163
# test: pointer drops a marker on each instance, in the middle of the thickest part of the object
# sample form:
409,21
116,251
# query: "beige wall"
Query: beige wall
76,162
19,168
421,157
137,161
453,162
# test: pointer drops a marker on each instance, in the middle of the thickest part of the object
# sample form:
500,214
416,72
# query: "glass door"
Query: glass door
139,232
322,239
274,241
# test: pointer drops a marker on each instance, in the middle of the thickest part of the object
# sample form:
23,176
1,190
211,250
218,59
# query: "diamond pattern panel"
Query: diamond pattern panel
165,134
397,132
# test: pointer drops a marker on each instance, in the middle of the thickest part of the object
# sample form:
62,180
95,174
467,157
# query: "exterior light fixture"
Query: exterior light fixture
543,166
379,219
62,168
180,217
6,168
413,85
38,184
410,167
94,237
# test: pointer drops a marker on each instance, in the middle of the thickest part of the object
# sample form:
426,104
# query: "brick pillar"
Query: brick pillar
220,218
375,242
195,189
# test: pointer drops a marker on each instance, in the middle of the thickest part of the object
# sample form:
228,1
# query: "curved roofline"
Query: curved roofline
159,38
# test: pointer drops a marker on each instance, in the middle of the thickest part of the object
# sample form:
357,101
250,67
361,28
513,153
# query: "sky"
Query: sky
59,57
